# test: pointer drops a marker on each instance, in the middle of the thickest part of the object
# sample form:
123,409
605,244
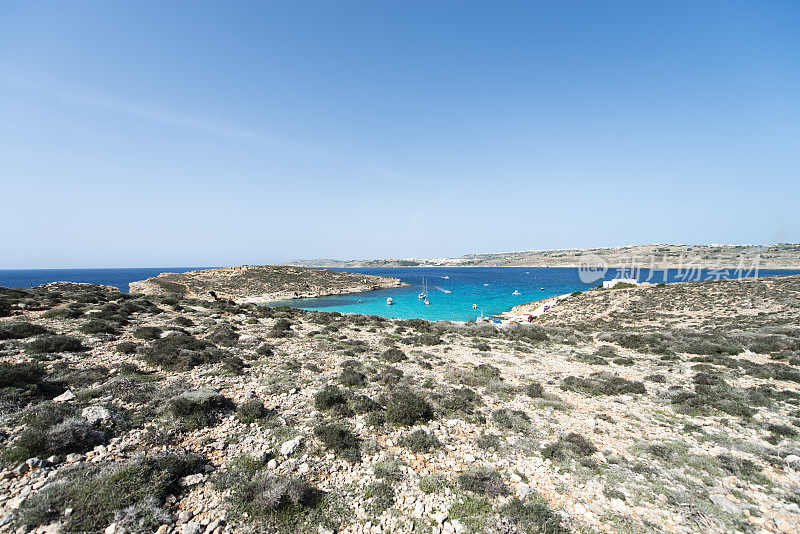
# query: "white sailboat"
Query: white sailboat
424,293
516,292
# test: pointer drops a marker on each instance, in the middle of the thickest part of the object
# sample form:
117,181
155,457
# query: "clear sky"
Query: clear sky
194,133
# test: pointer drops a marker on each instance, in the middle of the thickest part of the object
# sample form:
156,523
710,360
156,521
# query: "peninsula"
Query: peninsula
259,284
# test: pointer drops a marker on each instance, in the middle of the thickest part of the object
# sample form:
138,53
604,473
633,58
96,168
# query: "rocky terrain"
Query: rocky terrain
259,284
651,409
659,256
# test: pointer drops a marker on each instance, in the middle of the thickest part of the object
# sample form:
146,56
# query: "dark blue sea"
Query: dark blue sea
119,278
452,291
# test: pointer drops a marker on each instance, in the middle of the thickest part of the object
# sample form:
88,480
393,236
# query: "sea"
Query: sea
453,293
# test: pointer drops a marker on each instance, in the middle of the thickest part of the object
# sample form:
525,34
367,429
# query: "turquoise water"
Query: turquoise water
491,288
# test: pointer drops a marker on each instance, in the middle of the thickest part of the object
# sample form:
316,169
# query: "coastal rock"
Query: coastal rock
260,284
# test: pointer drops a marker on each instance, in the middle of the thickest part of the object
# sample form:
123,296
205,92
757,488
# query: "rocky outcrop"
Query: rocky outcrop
263,283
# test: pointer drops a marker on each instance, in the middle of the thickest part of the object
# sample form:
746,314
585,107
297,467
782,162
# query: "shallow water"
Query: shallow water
491,288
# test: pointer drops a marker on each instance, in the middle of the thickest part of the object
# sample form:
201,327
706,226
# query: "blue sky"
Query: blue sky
194,133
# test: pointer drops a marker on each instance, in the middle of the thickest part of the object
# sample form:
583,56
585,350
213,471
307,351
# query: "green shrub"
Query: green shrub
535,390
533,518
127,347
24,383
488,441
223,334
181,352
233,365
508,419
66,312
351,377
183,321
281,328
253,411
657,378
278,501
341,441
330,398
606,351
147,332
21,330
54,344
265,349
405,408
17,375
394,355
53,428
420,441
573,444
99,326
380,496
740,467
73,435
434,483
99,494
712,392
388,470
603,383
198,408
483,481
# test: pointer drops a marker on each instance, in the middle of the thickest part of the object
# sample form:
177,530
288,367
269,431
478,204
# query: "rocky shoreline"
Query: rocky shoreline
261,284
670,409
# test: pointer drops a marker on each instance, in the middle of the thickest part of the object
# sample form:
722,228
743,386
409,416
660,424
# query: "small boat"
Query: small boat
446,277
389,301
484,285
424,293
541,288
426,302
474,306
516,292
446,290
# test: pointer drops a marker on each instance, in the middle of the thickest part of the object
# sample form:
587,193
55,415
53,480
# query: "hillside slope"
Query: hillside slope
663,409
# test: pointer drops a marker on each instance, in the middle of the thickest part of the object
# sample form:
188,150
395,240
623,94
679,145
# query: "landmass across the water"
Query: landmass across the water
260,284
657,256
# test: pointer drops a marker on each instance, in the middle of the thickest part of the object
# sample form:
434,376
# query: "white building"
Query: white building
609,284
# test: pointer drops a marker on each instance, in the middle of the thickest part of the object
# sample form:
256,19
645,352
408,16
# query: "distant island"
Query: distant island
660,256
258,284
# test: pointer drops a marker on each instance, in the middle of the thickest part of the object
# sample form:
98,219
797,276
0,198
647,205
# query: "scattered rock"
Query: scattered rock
726,504
65,397
288,447
96,414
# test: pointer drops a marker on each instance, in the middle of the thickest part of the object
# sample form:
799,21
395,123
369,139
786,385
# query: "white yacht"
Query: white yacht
389,301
